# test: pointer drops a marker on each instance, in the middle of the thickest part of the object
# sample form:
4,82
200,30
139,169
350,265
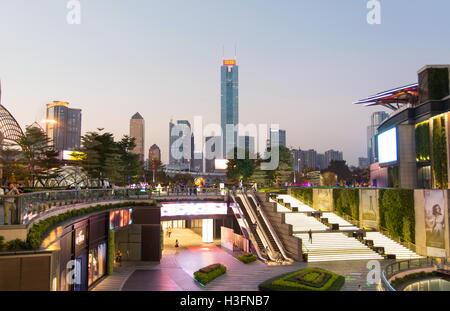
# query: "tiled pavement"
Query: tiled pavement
175,271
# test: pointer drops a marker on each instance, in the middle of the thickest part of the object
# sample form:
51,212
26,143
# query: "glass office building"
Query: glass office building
229,104
63,126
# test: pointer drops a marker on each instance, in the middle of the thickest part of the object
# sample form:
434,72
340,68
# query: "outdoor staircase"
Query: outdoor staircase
335,246
390,246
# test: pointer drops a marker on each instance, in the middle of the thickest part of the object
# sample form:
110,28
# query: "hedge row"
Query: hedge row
247,258
289,281
398,282
346,202
304,194
40,229
397,214
209,273
423,150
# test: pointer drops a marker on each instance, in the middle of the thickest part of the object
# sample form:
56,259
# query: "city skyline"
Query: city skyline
181,64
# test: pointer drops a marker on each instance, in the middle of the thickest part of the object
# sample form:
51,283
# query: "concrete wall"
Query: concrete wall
292,244
369,209
128,241
407,156
323,199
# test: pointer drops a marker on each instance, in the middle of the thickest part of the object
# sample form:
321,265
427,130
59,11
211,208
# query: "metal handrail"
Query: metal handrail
270,227
24,208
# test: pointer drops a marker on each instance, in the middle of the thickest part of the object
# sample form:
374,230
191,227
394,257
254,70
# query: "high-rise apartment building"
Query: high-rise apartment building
63,126
229,104
137,130
277,141
333,155
376,119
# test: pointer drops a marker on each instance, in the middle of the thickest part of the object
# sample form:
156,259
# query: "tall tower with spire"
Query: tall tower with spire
229,105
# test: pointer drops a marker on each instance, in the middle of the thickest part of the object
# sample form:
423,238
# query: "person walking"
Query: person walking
310,236
9,204
169,232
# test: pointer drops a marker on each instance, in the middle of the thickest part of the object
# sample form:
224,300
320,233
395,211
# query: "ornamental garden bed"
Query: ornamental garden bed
209,273
309,279
247,258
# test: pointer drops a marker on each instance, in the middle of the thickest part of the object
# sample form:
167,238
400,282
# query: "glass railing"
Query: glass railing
24,208
401,266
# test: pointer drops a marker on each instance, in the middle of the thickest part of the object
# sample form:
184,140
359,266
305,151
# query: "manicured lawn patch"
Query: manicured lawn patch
209,273
309,279
247,258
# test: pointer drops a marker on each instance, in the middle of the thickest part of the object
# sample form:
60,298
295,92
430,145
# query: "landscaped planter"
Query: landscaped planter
209,273
247,258
309,279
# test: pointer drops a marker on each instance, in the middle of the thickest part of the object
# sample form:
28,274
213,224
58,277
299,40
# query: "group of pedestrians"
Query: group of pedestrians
182,190
9,206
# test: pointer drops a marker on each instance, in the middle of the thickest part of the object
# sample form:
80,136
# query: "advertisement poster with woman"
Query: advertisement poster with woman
435,222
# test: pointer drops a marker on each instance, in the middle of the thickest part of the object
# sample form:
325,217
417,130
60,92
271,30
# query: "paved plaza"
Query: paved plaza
175,271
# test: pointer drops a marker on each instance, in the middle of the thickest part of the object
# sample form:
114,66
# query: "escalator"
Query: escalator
262,229
258,241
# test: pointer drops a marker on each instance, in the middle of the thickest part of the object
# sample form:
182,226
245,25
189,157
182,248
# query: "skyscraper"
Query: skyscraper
229,105
63,126
137,130
154,153
181,152
280,141
376,119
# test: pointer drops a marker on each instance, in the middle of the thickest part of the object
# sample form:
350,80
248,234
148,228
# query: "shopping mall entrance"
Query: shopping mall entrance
194,224
189,233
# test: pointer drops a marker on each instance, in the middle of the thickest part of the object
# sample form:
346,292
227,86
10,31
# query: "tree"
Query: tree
103,158
240,169
329,179
38,153
284,171
341,169
13,166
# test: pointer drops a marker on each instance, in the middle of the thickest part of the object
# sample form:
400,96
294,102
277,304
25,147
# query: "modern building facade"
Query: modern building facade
154,153
333,155
137,130
363,162
63,126
412,144
277,141
181,145
375,120
229,104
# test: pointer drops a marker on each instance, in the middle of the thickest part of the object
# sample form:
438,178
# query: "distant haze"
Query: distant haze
301,63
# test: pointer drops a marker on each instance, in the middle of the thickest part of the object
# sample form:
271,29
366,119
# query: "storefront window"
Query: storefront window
97,263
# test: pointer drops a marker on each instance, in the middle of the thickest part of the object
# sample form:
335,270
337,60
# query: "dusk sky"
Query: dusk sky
301,63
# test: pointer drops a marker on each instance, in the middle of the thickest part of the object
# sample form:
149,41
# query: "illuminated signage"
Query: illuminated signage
220,164
73,155
193,209
229,62
80,237
387,146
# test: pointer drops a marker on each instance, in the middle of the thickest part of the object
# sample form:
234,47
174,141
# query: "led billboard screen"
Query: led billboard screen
193,209
387,146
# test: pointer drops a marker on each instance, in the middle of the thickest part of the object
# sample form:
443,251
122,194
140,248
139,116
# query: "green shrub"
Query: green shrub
346,202
209,273
439,158
309,279
247,258
40,229
2,243
397,213
304,194
438,83
423,149
16,245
